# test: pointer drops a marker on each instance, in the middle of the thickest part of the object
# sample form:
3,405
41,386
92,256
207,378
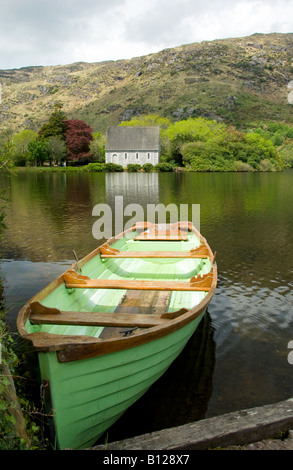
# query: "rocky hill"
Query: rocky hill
235,80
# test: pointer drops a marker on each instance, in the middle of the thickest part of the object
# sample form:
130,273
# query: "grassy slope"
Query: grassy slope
237,80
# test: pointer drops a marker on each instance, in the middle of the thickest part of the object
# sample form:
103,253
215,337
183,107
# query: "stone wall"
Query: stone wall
125,157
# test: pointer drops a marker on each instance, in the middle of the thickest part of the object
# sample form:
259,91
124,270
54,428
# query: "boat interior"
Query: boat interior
135,282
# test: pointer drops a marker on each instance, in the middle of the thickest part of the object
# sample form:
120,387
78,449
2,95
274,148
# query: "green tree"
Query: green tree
39,151
56,148
97,147
220,149
287,154
207,156
56,124
259,148
191,130
6,163
6,150
20,146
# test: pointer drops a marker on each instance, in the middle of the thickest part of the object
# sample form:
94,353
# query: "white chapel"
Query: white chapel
133,145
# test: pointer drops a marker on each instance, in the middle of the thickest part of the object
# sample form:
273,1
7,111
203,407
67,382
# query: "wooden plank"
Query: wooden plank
163,227
97,319
40,314
231,429
163,237
139,302
107,251
168,233
144,302
75,280
155,254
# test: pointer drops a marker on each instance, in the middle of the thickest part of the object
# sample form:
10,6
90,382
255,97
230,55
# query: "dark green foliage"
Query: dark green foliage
97,147
286,153
147,167
205,145
164,167
56,125
92,167
198,144
277,132
113,167
39,151
133,167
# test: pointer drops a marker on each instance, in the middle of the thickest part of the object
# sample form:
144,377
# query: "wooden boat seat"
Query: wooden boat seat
163,232
73,279
41,314
175,226
107,251
160,236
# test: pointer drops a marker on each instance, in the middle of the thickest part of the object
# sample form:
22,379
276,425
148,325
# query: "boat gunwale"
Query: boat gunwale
73,347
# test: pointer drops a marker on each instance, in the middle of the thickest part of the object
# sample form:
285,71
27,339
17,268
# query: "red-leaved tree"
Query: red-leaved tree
78,136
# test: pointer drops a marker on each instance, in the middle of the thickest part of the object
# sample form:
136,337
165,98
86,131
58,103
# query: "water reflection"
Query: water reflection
247,219
180,396
139,188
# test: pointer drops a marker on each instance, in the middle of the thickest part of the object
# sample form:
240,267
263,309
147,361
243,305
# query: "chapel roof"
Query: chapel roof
133,138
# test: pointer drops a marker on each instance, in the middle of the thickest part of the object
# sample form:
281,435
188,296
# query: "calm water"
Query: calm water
239,356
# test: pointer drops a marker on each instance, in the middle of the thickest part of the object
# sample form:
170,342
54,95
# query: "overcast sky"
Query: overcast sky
57,32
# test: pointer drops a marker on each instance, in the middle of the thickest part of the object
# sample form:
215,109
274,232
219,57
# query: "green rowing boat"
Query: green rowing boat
110,326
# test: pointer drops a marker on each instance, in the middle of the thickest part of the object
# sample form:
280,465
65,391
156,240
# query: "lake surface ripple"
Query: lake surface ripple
239,356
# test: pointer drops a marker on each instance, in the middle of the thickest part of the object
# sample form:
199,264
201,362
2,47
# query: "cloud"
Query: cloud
38,32
186,21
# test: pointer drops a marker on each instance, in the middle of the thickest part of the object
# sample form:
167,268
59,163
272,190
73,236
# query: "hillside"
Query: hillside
237,80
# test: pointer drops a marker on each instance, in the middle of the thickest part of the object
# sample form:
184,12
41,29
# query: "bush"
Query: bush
17,430
266,165
242,166
164,167
113,167
96,167
133,167
147,167
287,155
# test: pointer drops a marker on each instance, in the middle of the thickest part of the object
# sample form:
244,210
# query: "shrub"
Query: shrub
17,430
242,166
266,165
147,167
113,167
133,167
287,155
96,167
164,167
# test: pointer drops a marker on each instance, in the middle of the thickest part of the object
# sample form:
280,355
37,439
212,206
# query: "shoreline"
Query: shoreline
84,169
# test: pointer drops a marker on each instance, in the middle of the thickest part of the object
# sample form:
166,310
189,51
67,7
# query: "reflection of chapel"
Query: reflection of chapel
133,145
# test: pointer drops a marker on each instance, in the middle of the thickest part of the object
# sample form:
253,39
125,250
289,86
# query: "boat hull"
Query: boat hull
90,395
111,325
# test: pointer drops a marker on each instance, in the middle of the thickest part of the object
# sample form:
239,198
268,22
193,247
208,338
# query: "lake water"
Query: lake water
238,358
